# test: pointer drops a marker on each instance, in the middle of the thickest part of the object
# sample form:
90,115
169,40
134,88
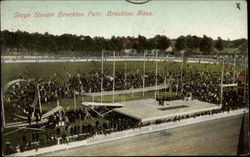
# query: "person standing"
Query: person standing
29,119
24,140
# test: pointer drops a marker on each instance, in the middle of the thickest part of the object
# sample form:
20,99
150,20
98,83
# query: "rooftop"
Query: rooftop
149,109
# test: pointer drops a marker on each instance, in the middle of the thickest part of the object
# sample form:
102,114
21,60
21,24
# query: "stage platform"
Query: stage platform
148,110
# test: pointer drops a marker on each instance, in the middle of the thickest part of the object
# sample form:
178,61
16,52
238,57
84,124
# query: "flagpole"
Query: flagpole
74,99
234,67
114,78
39,99
125,79
222,77
143,72
181,70
102,78
245,85
156,67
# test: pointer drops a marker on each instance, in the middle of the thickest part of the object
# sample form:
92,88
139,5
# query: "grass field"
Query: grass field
10,72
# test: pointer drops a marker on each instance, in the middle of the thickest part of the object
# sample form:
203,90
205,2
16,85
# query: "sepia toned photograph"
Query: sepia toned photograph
124,78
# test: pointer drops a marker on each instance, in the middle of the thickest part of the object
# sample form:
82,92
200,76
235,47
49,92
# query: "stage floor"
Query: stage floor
149,110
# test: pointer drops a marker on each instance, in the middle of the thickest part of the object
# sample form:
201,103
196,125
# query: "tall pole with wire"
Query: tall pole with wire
221,84
125,79
156,67
234,77
39,99
182,55
143,73
114,78
74,99
102,78
245,84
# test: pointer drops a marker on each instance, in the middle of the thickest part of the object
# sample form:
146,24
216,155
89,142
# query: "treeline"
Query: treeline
207,45
20,42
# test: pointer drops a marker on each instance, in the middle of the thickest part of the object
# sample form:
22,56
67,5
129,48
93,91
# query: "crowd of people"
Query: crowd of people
195,82
73,126
203,85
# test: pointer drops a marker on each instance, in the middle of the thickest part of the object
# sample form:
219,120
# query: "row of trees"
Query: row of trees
35,42
30,43
205,44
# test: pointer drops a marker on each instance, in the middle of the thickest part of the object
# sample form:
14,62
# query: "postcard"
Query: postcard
124,78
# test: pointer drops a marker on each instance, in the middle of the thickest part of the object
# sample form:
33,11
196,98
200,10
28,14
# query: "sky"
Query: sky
171,18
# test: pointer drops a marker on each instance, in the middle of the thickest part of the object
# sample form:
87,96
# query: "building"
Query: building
241,79
169,49
130,51
196,51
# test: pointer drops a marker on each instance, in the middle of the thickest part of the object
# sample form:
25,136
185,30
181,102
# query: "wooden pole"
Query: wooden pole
114,78
39,99
222,78
245,85
156,67
102,78
234,77
143,73
74,99
125,79
182,70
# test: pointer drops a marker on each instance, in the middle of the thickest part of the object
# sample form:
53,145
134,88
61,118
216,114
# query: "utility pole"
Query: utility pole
126,64
102,78
75,99
156,67
234,77
222,78
114,78
245,85
143,73
182,54
39,99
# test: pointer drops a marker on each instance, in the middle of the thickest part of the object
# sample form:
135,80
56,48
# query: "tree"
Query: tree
161,42
219,44
206,44
142,43
181,43
190,42
196,41
151,43
243,49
